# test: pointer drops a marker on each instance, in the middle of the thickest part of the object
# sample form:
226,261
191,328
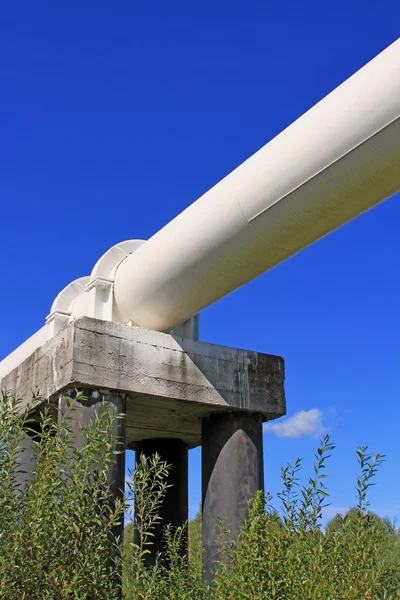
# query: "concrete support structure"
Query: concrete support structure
177,393
170,382
232,471
175,507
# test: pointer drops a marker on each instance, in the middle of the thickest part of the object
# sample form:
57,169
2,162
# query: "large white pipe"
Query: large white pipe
336,161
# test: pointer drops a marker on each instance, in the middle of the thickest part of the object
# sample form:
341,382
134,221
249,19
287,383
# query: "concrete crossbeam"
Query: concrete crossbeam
171,383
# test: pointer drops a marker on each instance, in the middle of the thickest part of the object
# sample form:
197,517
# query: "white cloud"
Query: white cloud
306,423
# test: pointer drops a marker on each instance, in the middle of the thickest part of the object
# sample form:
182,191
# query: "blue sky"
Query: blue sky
116,116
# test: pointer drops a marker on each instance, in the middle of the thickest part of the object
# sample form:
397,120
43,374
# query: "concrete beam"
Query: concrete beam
171,383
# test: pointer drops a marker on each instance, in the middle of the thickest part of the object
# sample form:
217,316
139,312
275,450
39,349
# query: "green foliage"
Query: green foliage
170,575
56,537
57,542
195,548
291,557
294,559
147,486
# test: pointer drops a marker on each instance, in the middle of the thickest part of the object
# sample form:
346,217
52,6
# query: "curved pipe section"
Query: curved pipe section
336,161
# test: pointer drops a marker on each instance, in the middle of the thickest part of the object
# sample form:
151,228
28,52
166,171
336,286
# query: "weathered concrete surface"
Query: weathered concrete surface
170,382
232,472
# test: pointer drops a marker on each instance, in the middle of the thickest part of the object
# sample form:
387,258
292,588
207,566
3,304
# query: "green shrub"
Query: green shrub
287,555
195,548
170,576
293,558
57,542
56,538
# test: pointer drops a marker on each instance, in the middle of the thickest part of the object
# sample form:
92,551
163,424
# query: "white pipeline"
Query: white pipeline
338,160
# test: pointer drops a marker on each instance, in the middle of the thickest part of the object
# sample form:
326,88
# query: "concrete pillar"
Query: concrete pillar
174,509
232,471
26,457
82,413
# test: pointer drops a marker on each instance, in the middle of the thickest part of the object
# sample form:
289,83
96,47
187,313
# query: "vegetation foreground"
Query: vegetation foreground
57,537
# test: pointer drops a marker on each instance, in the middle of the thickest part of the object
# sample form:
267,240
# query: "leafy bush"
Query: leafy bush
56,537
170,576
57,542
287,557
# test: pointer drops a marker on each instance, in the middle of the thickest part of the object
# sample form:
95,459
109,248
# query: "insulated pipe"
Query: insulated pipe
338,160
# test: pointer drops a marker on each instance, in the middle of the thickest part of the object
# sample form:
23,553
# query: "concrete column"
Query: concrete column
82,413
26,457
232,471
174,509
